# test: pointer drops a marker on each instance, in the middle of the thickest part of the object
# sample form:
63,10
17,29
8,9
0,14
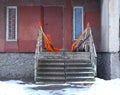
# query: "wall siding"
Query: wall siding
29,13
29,16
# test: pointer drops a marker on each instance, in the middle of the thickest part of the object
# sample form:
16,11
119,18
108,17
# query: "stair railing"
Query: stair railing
89,47
37,51
90,44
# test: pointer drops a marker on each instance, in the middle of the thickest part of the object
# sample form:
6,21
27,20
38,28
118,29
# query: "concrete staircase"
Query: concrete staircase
50,73
65,67
79,73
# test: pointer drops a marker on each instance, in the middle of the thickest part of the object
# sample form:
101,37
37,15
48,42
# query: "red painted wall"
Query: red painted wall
53,24
2,29
91,9
68,25
94,19
28,27
29,16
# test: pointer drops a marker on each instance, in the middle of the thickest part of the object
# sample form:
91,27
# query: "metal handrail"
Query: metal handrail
92,51
90,47
37,51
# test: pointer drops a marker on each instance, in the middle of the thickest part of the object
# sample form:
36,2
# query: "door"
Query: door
53,24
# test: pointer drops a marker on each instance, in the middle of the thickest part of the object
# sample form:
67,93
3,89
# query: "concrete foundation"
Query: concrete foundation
108,65
21,66
17,66
108,58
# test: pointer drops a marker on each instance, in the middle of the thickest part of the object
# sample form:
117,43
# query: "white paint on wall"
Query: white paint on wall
119,7
110,26
104,26
113,26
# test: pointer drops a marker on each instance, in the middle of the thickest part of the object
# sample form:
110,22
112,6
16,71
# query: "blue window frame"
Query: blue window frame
77,21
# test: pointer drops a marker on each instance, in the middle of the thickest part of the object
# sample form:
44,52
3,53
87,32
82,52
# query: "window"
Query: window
77,21
11,24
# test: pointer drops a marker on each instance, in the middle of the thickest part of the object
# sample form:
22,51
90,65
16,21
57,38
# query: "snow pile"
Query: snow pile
12,88
101,87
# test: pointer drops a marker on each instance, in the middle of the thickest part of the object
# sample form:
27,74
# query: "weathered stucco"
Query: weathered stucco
109,57
113,26
108,65
109,26
17,66
115,65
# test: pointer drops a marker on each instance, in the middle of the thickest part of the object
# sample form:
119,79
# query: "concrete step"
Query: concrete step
50,79
75,64
65,67
64,57
78,68
80,79
76,74
85,72
50,73
50,68
50,64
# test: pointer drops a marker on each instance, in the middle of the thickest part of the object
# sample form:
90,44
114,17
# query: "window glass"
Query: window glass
77,21
11,34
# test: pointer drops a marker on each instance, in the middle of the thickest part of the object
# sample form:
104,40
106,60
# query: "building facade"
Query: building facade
64,20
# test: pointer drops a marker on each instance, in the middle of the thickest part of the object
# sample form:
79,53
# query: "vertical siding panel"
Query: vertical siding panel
2,28
68,25
29,16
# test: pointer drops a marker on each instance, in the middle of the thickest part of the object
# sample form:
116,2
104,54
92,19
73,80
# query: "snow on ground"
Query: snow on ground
100,87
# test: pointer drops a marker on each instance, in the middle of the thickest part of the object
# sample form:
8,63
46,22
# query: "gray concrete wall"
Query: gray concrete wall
17,66
115,65
103,65
109,59
108,65
21,65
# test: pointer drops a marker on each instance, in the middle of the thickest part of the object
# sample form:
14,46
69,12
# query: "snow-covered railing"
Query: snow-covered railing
38,50
90,46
